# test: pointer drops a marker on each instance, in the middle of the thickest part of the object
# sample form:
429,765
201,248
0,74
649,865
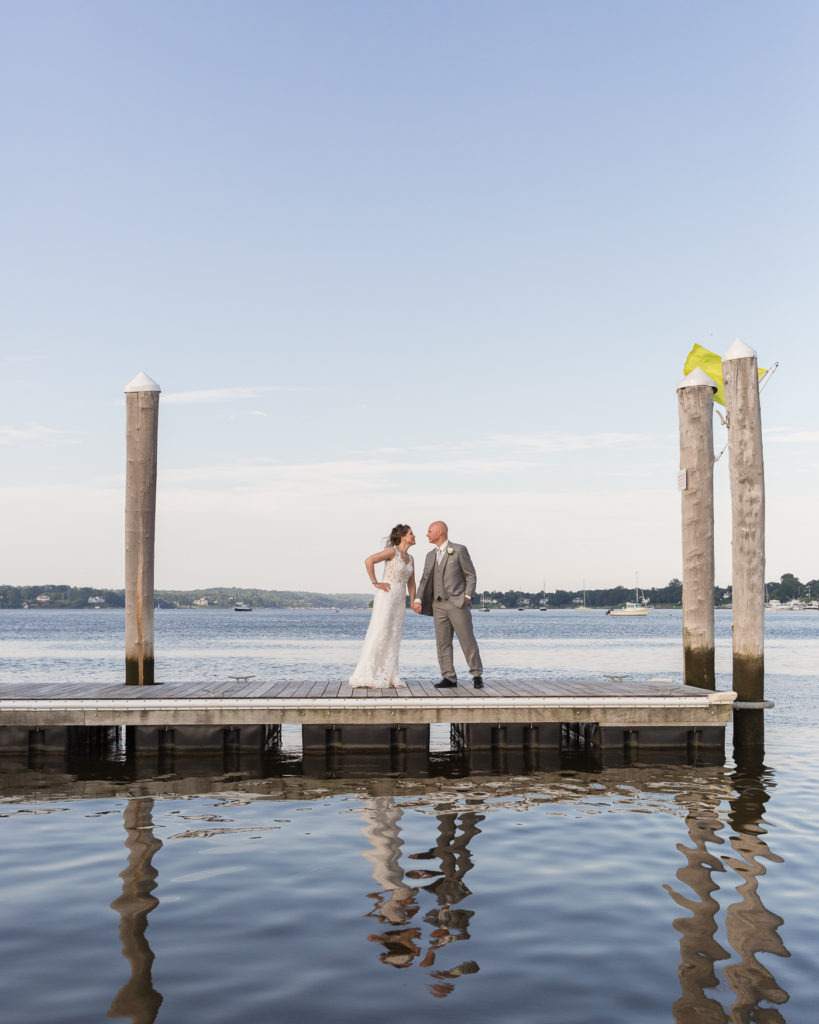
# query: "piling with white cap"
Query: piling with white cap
695,399
142,421
741,383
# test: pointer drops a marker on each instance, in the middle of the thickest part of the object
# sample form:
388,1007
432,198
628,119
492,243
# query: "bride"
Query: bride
377,667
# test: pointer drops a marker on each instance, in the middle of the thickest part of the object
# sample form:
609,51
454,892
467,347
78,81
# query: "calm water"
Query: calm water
647,893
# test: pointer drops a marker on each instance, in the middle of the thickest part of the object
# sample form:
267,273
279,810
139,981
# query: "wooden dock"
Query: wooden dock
617,702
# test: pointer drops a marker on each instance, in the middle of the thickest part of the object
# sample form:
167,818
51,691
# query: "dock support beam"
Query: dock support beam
741,383
695,396
142,420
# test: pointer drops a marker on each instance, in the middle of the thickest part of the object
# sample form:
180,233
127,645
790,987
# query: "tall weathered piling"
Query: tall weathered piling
142,421
695,397
741,383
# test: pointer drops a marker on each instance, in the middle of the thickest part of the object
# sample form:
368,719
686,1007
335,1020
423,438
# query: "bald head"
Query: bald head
437,532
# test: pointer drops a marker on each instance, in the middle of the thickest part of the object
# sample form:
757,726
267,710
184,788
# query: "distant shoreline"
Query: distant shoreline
64,596
44,596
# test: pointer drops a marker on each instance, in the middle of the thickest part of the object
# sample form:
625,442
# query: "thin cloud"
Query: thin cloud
414,449
567,442
35,435
220,395
532,444
782,435
344,472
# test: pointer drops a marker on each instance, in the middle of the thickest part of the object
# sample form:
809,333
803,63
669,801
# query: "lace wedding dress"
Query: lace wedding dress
377,667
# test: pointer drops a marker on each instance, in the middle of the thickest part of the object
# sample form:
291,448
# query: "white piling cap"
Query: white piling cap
142,382
696,379
739,350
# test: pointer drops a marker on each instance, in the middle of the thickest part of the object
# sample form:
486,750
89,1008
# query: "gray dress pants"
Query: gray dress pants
449,619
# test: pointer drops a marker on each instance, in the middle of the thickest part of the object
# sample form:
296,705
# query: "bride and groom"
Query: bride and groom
445,592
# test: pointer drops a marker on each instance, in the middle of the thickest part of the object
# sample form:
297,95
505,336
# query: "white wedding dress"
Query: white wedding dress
377,667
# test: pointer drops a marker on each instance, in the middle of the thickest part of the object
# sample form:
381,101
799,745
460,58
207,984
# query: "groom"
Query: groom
445,592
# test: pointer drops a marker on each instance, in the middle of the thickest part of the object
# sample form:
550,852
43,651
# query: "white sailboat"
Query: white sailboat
583,607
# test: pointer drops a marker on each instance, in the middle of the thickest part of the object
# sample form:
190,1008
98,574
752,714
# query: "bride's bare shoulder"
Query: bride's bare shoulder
385,555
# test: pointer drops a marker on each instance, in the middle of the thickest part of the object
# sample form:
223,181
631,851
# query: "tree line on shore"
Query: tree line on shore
64,596
788,588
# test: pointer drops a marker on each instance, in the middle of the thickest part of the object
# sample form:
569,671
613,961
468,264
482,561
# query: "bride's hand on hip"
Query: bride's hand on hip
382,586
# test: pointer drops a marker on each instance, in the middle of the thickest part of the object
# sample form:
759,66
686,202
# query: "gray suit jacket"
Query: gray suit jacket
460,579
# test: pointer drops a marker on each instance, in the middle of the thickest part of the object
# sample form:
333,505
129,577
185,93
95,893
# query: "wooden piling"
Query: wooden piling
695,396
142,420
741,383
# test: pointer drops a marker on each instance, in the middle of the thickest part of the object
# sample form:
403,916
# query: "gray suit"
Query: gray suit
443,591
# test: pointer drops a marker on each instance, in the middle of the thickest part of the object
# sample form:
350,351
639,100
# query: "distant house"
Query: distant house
201,602
42,599
96,599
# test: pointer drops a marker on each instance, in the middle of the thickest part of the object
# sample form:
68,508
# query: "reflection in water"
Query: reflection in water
750,928
723,925
699,949
397,902
137,999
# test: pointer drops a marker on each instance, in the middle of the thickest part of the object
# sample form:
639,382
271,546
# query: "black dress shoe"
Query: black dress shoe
445,682
477,682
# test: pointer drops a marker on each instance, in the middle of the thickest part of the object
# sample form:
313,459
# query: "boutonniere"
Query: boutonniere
450,551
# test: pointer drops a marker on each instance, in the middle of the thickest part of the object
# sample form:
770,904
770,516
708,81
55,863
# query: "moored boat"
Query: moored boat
639,606
582,606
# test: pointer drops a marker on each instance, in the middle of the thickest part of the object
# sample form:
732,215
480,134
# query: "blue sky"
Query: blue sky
395,262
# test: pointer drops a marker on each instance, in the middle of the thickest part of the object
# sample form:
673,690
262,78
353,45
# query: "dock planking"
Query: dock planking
607,702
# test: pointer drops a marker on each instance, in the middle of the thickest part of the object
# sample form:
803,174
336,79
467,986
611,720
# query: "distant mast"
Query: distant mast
141,431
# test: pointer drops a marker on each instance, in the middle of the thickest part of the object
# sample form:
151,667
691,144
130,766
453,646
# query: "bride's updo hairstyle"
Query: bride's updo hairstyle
397,533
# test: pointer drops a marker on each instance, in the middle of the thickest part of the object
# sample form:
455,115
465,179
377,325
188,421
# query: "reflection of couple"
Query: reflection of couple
396,902
445,592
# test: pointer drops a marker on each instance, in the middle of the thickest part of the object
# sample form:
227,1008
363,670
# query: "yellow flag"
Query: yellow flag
711,364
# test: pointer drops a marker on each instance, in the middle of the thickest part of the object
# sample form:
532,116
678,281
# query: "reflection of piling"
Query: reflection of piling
695,395
741,382
137,999
142,419
700,949
751,928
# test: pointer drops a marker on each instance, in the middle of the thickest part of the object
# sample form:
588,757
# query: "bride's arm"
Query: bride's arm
411,586
370,563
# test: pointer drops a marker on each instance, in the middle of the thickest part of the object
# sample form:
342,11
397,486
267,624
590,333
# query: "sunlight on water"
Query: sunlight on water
304,645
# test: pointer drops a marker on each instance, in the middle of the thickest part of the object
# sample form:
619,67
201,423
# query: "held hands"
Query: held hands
416,604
